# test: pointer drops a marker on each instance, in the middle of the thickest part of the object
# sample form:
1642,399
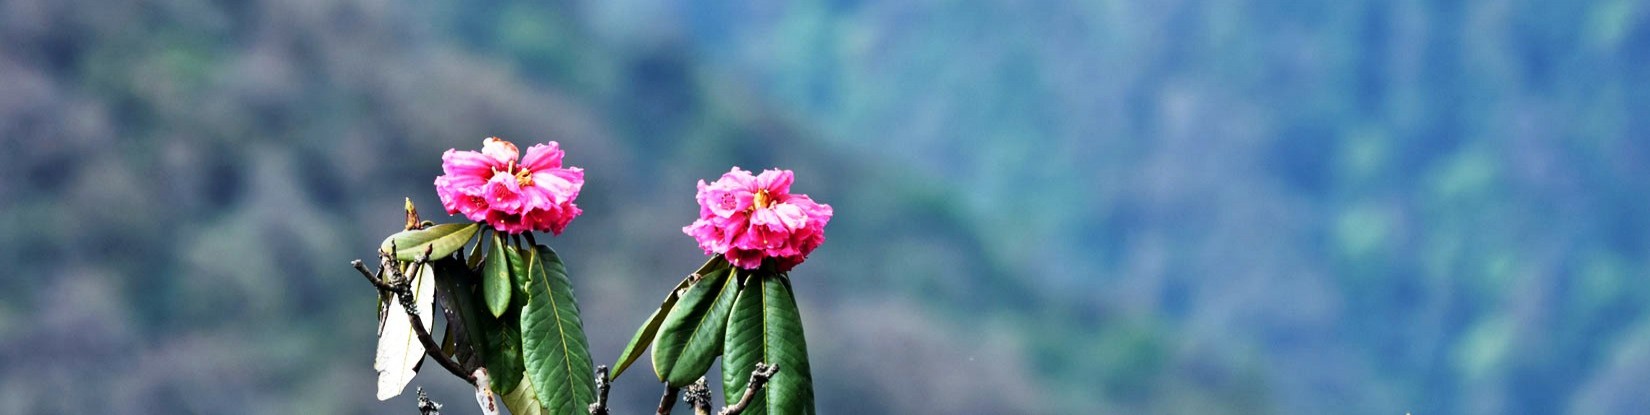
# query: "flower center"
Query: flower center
763,200
523,176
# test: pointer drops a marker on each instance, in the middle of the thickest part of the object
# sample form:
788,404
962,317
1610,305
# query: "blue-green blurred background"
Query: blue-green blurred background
1170,207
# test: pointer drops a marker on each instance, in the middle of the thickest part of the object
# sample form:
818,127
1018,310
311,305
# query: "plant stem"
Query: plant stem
668,401
759,379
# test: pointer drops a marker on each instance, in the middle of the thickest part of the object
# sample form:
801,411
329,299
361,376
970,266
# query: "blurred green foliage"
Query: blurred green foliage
1216,206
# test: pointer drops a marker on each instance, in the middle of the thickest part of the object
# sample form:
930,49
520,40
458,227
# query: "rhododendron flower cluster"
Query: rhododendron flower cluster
747,218
534,194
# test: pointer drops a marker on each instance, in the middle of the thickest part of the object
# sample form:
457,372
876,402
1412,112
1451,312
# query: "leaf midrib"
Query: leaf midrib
769,402
567,358
677,362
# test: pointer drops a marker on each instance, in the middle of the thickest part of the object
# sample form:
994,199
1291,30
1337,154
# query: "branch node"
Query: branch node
759,379
603,384
697,396
400,286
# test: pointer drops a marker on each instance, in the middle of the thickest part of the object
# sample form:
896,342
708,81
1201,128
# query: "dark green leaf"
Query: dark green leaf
445,238
495,275
644,335
461,304
504,342
518,273
504,356
474,260
691,336
766,327
554,346
449,341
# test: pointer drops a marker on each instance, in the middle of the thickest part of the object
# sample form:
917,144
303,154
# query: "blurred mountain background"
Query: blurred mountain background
1171,207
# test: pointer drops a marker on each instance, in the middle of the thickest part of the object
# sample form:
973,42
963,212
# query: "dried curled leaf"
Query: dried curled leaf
399,350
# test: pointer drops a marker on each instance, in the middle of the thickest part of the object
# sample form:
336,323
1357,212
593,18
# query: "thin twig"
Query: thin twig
404,291
697,396
759,379
401,287
667,401
602,386
374,279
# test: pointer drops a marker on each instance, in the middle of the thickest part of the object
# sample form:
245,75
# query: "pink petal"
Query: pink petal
787,229
543,157
562,184
790,216
504,194
815,211
743,258
474,206
776,182
725,201
468,164
738,178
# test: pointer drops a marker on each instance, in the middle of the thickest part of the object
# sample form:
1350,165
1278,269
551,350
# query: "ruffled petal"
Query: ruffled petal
776,182
785,227
543,157
504,194
489,186
789,216
468,164
738,178
562,184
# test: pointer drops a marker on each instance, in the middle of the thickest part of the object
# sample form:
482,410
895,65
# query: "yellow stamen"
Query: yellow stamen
524,177
762,199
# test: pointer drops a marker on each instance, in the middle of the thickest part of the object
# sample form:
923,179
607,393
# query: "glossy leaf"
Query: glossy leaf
399,350
495,277
518,274
644,335
503,352
500,344
553,343
456,287
445,238
765,327
690,338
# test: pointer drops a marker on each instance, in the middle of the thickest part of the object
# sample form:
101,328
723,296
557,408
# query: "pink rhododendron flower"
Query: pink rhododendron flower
490,186
747,218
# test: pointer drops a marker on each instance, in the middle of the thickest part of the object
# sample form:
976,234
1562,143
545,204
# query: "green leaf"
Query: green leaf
553,345
504,358
644,335
522,400
518,274
461,303
766,327
446,238
475,257
691,336
495,276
